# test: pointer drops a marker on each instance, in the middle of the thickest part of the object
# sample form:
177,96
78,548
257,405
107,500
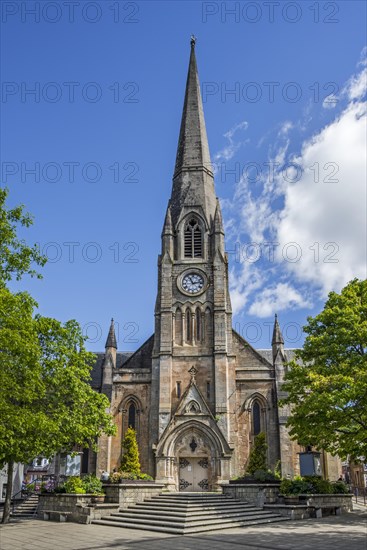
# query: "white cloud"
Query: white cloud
322,211
357,85
229,150
354,89
242,283
326,208
285,128
277,298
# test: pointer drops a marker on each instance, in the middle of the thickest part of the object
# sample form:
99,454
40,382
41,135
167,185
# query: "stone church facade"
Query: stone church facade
195,392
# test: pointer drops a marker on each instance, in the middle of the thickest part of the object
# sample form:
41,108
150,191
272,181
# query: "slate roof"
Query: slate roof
96,373
268,354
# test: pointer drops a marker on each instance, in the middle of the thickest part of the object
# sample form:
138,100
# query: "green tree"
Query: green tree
130,459
327,381
16,258
257,458
46,402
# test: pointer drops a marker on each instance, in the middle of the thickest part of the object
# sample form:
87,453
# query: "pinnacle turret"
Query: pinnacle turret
111,341
277,333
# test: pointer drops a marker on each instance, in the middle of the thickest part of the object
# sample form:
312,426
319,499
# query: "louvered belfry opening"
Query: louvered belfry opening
193,240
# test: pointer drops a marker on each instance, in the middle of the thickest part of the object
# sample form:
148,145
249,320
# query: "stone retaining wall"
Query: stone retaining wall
254,493
311,506
75,508
125,494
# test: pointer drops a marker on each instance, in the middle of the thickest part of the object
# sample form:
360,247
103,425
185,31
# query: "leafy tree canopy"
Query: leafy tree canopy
327,382
16,258
46,402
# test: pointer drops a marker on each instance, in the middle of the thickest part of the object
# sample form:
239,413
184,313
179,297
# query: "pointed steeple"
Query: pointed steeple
193,148
277,333
193,181
111,341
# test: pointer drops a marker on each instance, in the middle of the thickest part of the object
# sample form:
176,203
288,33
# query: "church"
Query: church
196,392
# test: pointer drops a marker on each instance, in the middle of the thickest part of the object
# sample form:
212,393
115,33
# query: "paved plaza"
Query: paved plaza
347,532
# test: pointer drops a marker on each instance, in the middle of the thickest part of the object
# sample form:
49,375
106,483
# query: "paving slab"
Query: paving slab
346,532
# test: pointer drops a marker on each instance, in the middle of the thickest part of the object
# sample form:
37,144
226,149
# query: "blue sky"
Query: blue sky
283,88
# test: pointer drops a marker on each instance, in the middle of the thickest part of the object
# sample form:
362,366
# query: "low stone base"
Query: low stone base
68,507
291,512
257,494
125,494
314,506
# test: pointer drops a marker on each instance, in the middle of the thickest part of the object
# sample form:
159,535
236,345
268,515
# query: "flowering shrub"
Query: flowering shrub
120,477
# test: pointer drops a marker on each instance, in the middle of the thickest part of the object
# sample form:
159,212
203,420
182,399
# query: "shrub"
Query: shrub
130,460
294,486
311,485
74,485
120,477
278,470
257,459
318,486
92,484
146,477
340,487
264,475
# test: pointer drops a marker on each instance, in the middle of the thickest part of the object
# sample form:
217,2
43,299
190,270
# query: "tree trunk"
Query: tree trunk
9,490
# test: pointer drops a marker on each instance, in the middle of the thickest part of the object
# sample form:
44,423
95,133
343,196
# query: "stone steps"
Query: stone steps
192,512
186,513
26,509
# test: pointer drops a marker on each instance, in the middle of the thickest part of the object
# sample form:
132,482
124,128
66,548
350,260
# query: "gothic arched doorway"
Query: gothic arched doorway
193,457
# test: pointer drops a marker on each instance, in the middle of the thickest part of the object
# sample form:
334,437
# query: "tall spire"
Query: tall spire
111,341
193,148
193,182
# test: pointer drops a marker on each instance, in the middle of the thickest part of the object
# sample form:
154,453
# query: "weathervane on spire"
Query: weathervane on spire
193,40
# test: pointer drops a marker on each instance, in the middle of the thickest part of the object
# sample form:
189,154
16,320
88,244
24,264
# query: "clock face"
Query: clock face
192,283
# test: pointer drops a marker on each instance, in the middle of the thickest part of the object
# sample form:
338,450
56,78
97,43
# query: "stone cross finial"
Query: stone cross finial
193,372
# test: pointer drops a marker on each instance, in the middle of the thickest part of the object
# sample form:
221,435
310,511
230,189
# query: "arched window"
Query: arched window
188,326
178,327
132,416
256,418
198,325
208,327
193,240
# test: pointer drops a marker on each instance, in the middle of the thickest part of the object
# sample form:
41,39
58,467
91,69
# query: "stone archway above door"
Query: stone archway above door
193,439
